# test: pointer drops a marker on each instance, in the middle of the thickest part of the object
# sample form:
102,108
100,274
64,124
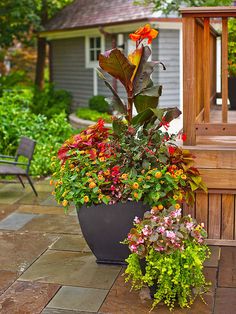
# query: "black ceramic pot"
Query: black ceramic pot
232,92
105,226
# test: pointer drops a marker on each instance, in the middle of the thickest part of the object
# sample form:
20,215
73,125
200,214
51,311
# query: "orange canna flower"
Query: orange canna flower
144,32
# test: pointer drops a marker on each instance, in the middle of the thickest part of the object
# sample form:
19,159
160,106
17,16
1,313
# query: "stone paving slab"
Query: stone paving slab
225,302
6,210
32,199
121,300
227,268
39,209
6,279
59,224
71,269
78,298
213,261
50,201
74,243
58,311
16,221
11,196
19,249
27,297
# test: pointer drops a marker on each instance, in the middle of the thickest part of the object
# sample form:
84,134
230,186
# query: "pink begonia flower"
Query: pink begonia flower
146,230
140,240
202,225
170,234
189,225
136,220
161,230
129,236
133,248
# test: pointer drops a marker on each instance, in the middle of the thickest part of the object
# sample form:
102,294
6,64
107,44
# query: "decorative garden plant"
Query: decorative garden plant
113,175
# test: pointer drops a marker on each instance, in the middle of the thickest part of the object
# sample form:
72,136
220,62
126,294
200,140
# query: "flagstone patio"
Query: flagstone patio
46,266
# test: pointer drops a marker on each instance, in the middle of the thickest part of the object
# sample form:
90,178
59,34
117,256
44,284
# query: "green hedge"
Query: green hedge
17,120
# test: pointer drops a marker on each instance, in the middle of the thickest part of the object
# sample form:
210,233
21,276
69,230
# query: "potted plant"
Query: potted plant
232,63
113,175
168,252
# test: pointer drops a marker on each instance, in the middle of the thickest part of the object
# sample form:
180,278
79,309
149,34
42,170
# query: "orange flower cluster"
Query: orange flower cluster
144,32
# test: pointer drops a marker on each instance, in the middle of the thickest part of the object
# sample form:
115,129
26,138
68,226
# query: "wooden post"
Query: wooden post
189,79
224,69
206,69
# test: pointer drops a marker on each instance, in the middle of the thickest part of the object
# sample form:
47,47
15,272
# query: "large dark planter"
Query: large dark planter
104,226
232,92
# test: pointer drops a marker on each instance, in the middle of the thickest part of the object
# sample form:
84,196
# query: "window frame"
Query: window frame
88,63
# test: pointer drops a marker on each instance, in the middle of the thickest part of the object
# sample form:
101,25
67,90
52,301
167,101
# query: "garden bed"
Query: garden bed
78,123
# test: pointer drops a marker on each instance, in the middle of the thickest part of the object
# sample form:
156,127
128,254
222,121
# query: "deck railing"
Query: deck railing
199,72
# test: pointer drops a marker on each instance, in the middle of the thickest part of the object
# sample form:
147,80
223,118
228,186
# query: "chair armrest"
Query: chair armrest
5,156
13,162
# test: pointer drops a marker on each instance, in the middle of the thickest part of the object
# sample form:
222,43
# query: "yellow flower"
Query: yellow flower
100,196
53,193
102,159
72,166
65,203
53,158
160,206
88,174
86,199
92,185
64,194
135,185
158,175
143,171
51,182
90,180
148,177
177,206
175,197
140,179
100,177
183,176
53,164
124,176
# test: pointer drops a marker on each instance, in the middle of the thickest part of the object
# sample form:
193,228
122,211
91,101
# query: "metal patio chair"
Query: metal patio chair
26,149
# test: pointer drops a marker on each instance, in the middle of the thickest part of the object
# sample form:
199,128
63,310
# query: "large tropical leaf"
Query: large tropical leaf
148,98
147,115
171,114
117,102
117,65
142,79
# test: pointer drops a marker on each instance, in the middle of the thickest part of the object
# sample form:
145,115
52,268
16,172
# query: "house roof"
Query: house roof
90,13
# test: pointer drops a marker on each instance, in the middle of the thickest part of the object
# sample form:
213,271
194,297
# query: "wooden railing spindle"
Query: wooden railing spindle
224,69
206,72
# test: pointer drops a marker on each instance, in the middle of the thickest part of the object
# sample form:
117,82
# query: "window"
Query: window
94,46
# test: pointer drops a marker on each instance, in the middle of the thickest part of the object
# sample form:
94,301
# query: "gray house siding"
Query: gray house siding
166,49
69,72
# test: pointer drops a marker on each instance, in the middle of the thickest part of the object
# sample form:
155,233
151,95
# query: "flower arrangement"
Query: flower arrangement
135,160
174,251
138,160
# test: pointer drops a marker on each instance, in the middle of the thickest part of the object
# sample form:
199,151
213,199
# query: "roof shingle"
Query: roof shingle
88,13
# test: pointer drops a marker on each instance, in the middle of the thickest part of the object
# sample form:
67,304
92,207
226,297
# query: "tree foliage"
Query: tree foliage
173,5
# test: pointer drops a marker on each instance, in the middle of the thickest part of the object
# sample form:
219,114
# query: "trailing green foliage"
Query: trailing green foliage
17,120
99,104
93,115
178,276
50,101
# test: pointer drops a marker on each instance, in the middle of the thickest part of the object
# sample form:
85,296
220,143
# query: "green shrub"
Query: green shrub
17,120
99,104
50,101
232,47
93,115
